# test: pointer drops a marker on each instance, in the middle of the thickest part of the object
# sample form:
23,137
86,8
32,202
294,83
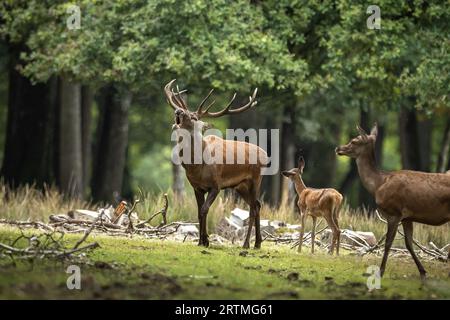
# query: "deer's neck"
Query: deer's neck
369,173
299,184
196,150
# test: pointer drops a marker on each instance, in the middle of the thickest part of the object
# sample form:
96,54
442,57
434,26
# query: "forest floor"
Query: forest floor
138,268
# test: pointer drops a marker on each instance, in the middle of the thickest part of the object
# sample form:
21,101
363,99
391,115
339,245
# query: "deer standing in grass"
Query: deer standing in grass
210,177
324,203
402,196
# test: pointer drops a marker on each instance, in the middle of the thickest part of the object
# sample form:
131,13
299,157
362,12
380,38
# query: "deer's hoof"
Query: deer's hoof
203,242
423,277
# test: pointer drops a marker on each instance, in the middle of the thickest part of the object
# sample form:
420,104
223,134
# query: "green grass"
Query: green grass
153,269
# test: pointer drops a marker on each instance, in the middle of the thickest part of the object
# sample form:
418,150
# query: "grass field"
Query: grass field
151,269
154,269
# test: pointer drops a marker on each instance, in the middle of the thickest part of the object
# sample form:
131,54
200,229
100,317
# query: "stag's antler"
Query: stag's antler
174,98
177,102
205,113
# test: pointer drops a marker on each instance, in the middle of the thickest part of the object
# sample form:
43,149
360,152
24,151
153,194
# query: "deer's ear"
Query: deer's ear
301,164
374,131
361,131
287,174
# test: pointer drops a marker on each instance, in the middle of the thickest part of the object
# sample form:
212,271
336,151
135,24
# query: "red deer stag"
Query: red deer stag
245,177
316,203
401,196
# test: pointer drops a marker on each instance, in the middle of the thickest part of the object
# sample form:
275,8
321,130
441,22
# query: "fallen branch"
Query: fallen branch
163,212
44,245
88,231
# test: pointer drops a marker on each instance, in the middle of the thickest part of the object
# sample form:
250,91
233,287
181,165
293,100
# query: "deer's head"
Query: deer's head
364,143
191,120
294,172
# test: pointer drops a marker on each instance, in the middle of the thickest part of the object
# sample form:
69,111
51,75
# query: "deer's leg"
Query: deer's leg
212,195
250,226
390,235
313,233
333,232
244,191
336,232
408,229
338,237
302,230
200,197
254,193
258,238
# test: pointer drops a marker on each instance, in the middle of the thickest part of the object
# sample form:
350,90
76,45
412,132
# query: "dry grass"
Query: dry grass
28,203
354,219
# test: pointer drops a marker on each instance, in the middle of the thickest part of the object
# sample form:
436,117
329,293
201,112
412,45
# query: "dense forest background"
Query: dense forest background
83,108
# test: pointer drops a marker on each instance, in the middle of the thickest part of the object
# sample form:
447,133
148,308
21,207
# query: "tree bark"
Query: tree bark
112,145
415,140
86,119
408,143
288,151
445,148
28,151
70,144
288,163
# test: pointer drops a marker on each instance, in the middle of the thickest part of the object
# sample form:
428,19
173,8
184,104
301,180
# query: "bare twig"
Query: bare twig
163,212
88,231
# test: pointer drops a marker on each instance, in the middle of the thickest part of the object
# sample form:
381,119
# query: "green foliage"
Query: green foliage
317,57
406,57
135,43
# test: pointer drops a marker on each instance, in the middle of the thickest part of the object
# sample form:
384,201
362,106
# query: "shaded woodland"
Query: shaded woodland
84,109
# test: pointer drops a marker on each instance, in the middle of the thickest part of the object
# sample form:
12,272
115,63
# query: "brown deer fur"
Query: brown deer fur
324,203
403,196
211,178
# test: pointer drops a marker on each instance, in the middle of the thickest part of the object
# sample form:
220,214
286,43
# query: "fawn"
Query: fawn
324,203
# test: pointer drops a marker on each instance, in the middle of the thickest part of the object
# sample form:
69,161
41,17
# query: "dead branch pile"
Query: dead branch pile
359,244
118,222
49,244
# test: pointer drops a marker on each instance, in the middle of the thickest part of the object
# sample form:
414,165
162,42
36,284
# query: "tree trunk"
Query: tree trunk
28,148
70,144
287,150
445,147
111,148
415,140
86,118
350,177
178,182
408,139
288,163
321,161
127,189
